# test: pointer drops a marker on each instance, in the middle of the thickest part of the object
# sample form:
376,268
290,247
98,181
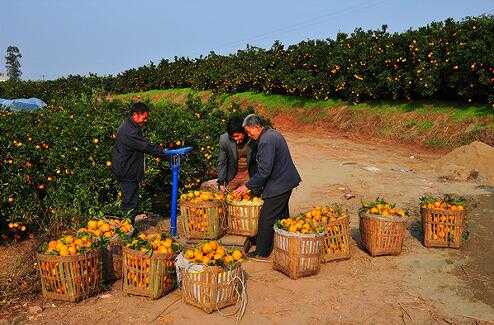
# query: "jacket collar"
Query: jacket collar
264,129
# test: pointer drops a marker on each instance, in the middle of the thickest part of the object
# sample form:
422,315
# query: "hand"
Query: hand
222,188
241,190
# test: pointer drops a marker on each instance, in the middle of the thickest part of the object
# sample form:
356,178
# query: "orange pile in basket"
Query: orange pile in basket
212,253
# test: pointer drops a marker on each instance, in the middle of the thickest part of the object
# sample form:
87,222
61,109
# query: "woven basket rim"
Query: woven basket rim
339,219
450,212
212,268
381,218
203,204
89,253
153,255
239,203
297,234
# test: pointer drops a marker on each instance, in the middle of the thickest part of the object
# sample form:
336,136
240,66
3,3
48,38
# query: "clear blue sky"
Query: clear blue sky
60,37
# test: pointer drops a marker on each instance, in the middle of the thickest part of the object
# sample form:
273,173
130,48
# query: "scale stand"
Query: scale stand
174,159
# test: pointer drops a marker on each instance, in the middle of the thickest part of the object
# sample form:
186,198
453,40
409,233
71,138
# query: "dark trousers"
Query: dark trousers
130,190
274,208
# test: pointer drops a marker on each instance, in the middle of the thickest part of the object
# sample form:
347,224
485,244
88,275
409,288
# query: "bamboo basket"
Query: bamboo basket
442,228
112,261
212,288
337,240
204,220
382,235
243,217
149,276
70,278
297,255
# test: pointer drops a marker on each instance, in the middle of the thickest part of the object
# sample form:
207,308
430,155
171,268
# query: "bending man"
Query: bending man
276,177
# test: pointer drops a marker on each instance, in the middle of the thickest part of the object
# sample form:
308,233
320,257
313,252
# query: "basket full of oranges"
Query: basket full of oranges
113,231
149,265
298,244
382,227
211,276
243,213
70,268
336,222
443,220
203,215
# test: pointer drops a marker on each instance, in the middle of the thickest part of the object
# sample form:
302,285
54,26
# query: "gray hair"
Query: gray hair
252,120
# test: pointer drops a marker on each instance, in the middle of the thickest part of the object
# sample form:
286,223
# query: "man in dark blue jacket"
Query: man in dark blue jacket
276,177
128,156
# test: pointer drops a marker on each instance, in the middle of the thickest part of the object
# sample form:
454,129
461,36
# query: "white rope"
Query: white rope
242,299
241,305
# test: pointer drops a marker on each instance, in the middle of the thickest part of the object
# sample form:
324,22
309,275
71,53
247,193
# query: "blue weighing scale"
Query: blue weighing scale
174,156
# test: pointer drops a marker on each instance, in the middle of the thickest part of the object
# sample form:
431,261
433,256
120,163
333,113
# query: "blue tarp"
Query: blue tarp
22,104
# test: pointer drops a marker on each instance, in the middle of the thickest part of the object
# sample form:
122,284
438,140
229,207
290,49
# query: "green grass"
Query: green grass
425,125
455,111
285,102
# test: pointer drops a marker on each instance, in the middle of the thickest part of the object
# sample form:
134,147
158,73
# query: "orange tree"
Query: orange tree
55,162
448,60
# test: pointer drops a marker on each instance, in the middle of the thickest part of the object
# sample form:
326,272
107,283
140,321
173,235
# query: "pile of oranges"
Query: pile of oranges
138,274
443,226
444,231
138,266
382,208
244,198
212,253
107,228
326,214
156,243
69,246
200,196
304,224
446,203
197,216
198,220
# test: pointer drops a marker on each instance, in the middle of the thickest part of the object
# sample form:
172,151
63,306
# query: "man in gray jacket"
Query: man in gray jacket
276,175
236,158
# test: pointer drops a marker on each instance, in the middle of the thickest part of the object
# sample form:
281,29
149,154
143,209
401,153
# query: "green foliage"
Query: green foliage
446,60
452,199
54,165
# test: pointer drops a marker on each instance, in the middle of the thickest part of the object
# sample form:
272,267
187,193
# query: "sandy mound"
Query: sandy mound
472,161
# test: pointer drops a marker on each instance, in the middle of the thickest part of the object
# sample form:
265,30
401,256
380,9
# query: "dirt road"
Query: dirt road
421,286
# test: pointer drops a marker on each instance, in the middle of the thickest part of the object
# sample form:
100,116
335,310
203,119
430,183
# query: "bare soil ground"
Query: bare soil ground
421,286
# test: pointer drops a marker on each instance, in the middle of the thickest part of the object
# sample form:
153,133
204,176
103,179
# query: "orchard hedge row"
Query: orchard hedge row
55,163
446,60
